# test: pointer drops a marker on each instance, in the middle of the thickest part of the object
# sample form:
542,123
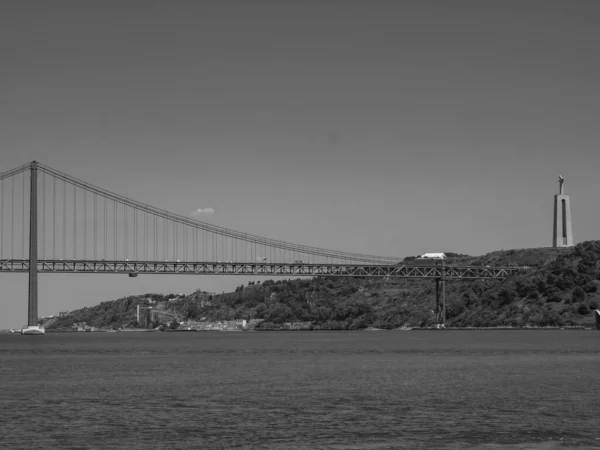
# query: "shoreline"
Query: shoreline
575,327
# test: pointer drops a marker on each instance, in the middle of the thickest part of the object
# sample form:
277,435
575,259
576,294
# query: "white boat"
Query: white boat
33,329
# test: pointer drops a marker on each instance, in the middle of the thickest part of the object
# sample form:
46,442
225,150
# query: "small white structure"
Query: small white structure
433,256
33,330
597,316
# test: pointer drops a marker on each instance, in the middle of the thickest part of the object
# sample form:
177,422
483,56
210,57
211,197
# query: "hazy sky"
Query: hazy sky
382,127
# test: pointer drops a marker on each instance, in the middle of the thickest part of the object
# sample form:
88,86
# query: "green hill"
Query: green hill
559,288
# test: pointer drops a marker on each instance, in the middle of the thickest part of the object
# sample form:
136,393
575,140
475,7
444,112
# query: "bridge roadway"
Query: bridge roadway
251,268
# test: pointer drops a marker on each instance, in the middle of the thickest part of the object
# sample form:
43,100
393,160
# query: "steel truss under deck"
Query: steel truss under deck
270,269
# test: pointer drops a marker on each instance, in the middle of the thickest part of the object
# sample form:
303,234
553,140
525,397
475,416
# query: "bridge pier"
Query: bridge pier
440,298
440,301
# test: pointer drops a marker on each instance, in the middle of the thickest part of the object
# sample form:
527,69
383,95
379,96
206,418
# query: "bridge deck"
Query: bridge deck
250,268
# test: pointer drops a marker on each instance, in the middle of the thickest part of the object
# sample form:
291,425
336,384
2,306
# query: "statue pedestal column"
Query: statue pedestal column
563,230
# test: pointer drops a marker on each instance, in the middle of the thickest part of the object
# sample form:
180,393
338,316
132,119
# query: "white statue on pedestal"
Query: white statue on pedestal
561,180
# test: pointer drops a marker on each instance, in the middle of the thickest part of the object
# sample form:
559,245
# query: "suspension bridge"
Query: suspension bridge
51,222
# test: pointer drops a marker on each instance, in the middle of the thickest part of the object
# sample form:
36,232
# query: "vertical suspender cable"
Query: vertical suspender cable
105,230
53,218
115,217
74,222
135,239
125,215
43,234
95,227
23,210
84,224
1,218
146,235
12,220
64,224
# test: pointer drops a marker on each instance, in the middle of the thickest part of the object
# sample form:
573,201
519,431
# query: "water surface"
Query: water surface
302,390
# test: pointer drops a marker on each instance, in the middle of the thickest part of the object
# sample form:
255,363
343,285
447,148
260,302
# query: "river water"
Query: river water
301,390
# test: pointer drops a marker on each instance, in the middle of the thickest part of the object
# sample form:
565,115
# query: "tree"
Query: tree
280,313
506,297
583,310
578,295
192,311
532,292
555,297
551,318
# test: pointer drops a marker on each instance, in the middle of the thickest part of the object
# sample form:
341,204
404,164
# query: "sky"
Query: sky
380,127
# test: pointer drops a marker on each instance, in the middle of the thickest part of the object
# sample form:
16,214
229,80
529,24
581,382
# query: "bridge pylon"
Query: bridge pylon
32,310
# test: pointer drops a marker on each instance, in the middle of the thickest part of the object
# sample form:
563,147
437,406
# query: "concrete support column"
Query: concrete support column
440,297
32,312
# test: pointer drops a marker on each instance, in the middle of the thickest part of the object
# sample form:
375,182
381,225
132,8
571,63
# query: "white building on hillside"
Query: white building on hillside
433,256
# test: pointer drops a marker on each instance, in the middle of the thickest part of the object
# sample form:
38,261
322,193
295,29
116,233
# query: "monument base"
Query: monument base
33,329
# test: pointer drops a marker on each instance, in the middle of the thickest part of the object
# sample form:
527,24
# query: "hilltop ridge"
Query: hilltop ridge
560,288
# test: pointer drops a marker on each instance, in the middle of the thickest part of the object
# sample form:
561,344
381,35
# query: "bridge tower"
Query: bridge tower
563,231
32,307
32,310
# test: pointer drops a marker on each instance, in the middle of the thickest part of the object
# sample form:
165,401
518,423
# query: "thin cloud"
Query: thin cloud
203,212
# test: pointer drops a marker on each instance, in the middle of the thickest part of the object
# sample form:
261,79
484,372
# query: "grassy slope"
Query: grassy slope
559,289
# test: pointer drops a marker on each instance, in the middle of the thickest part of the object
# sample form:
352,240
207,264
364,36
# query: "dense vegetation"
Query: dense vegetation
559,288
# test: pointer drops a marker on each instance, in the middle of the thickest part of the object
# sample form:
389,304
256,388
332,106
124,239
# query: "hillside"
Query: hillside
560,288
